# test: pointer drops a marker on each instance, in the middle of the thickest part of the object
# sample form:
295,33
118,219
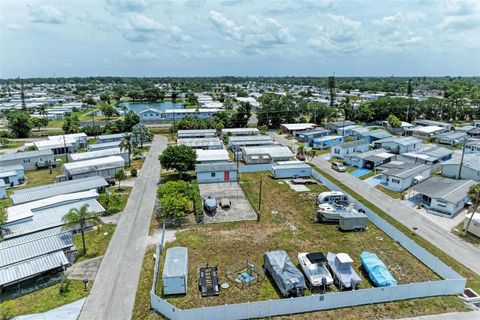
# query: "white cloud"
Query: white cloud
457,8
225,26
399,30
141,55
337,33
140,28
45,14
266,33
179,35
14,26
291,7
125,6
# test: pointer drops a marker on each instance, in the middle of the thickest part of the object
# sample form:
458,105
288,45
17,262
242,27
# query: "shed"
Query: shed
216,172
291,171
175,271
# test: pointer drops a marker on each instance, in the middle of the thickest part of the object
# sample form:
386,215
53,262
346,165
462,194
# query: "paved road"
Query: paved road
113,293
458,249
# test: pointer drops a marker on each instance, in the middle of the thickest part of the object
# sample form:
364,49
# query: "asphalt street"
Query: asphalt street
114,289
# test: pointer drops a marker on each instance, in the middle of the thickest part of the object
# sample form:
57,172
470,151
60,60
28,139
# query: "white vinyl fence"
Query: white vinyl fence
452,284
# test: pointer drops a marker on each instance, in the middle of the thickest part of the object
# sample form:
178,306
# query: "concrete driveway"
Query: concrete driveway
115,287
240,209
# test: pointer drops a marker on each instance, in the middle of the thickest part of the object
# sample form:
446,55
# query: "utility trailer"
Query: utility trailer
208,281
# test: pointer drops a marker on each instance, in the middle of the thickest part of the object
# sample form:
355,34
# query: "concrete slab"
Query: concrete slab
240,209
297,187
85,269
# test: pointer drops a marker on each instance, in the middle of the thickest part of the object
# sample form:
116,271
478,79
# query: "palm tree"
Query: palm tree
474,196
331,87
301,151
128,144
80,216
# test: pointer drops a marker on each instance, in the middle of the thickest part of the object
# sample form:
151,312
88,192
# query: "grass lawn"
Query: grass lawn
458,231
43,300
323,151
290,227
41,176
141,309
388,192
12,145
473,280
97,243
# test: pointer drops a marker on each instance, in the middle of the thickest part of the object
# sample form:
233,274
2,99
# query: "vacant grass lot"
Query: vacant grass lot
43,300
286,223
97,243
41,177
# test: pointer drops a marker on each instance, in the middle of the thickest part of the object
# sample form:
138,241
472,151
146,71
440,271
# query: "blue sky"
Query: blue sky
241,38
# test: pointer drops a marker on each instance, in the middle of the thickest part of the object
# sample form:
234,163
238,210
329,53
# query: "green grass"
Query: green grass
458,231
368,175
291,228
473,280
97,243
12,145
43,300
392,194
41,177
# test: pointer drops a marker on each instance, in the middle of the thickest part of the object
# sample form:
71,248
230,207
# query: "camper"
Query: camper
175,271
315,269
344,276
332,196
289,279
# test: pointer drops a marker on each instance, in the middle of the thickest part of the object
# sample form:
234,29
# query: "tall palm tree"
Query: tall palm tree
474,196
128,144
80,216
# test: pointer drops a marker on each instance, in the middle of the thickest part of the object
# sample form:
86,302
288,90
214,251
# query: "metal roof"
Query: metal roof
47,218
327,138
30,237
194,133
96,154
106,145
55,189
26,155
28,268
379,134
200,142
14,167
450,190
176,262
403,141
112,136
404,169
91,165
429,154
341,124
214,167
252,143
28,250
352,144
291,166
233,139
273,151
240,130
298,126
471,161
212,155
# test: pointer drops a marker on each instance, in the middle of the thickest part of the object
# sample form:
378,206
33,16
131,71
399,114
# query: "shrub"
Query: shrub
173,206
134,172
111,202
197,202
179,187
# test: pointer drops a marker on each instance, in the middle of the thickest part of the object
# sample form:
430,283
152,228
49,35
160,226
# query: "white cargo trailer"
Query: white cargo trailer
175,271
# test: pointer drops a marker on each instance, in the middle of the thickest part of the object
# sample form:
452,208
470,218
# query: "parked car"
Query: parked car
337,166
289,280
315,269
341,266
225,203
210,204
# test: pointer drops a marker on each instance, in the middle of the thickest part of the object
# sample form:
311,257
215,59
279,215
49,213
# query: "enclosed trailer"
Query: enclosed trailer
353,220
290,281
291,171
175,271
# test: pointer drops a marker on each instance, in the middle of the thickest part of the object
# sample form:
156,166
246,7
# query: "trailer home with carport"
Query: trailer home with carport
269,154
30,160
452,138
398,145
399,176
339,151
216,172
74,157
104,167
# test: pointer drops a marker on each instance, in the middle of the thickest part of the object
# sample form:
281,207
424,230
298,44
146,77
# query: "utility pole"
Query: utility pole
65,146
260,200
461,160
22,96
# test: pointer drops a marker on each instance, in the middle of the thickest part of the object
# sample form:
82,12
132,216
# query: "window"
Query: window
213,174
26,160
396,181
337,151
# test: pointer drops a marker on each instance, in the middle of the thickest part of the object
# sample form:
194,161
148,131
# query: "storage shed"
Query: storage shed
291,171
175,271
216,172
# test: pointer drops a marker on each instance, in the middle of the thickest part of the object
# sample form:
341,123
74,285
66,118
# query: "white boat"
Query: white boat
315,269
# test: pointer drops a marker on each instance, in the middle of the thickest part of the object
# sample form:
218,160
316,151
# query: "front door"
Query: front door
226,176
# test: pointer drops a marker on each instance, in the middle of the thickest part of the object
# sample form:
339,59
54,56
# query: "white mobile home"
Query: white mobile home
30,160
267,154
237,142
291,171
104,167
239,132
201,143
470,168
340,150
424,132
370,159
326,142
442,195
103,153
211,156
474,227
293,128
399,176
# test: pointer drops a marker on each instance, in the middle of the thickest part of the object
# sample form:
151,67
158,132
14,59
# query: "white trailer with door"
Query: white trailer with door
175,271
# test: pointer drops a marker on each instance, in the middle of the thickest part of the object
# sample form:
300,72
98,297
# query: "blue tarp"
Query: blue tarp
377,270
